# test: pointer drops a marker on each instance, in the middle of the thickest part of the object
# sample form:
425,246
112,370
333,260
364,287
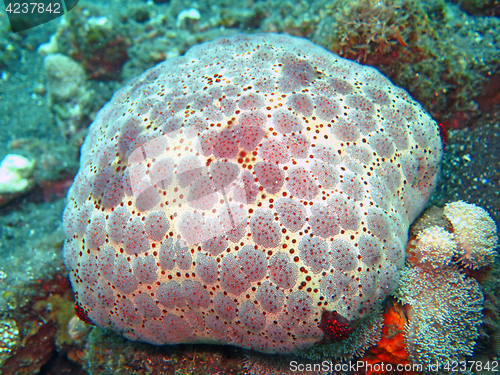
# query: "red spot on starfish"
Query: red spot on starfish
335,326
82,314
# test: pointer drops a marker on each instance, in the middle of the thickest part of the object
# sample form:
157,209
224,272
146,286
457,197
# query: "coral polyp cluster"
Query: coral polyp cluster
240,193
445,314
443,301
434,247
474,232
469,239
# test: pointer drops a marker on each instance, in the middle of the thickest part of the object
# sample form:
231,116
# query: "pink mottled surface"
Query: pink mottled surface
234,194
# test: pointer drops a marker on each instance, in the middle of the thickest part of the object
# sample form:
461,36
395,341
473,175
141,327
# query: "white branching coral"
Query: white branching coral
445,309
475,233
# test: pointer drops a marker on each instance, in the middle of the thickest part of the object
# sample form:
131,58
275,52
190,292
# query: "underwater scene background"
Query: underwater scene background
54,79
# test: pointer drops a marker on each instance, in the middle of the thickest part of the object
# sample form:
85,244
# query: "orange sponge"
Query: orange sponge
390,350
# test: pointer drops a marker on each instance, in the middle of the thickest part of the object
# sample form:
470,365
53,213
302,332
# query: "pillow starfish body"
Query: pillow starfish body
255,192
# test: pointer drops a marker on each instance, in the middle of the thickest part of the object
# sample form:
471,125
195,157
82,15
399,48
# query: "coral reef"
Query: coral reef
65,77
444,57
449,58
449,86
434,247
406,39
474,232
70,100
41,325
377,32
187,17
445,314
95,41
443,299
272,187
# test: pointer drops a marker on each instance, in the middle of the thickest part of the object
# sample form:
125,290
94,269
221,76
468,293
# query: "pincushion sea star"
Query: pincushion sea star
239,193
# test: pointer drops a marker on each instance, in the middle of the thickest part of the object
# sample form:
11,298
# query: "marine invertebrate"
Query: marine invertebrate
70,99
405,39
65,77
444,302
434,247
96,41
445,309
391,347
377,31
474,232
15,174
235,194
